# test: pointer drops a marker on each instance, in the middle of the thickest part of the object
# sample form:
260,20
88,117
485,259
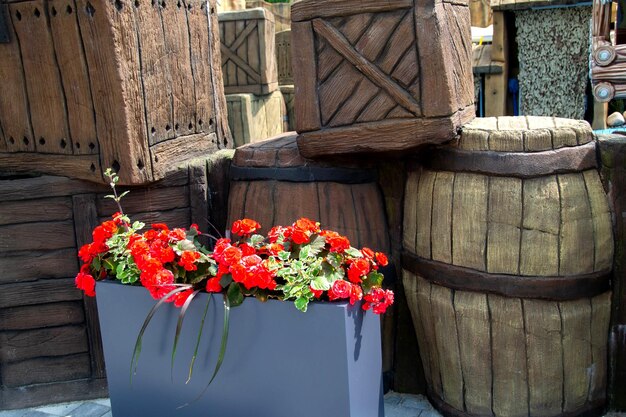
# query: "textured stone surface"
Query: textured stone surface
553,61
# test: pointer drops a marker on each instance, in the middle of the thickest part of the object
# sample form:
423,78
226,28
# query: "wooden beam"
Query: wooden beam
310,9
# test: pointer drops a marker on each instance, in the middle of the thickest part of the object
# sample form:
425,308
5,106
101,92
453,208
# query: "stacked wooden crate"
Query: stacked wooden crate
79,95
255,106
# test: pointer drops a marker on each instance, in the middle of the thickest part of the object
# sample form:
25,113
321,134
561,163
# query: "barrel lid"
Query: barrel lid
523,134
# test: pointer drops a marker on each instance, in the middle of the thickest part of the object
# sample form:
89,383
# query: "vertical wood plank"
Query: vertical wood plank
337,210
430,331
469,220
442,217
242,52
253,50
411,291
452,378
474,329
505,222
267,48
496,84
14,108
111,47
178,54
367,203
199,197
576,318
85,220
576,237
200,62
510,373
307,109
424,213
45,92
545,356
74,74
602,223
156,73
230,70
600,315
236,201
295,200
539,253
409,228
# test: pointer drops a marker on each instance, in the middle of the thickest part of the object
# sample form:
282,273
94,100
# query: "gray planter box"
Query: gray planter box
279,362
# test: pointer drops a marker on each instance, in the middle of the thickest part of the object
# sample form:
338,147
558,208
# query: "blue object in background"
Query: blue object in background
514,91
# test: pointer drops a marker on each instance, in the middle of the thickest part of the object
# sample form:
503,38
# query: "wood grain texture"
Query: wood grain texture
41,292
409,228
178,55
34,265
43,370
254,118
45,187
504,227
576,240
56,392
283,57
544,356
306,107
424,297
74,75
41,316
14,212
576,340
510,372
441,229
424,212
469,224
474,331
452,377
51,235
112,55
309,9
16,125
29,344
172,154
46,98
600,317
602,224
81,166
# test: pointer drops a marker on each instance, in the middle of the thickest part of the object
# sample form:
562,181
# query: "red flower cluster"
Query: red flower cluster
242,262
378,299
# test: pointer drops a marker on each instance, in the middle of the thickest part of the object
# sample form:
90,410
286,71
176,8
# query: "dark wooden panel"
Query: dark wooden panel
37,236
146,200
173,218
45,186
26,211
40,292
35,395
41,370
41,315
33,265
55,341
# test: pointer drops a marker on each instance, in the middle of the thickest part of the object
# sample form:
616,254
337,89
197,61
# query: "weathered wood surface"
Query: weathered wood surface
56,392
226,5
31,265
45,369
359,68
91,83
613,157
339,202
253,118
283,57
501,5
58,341
508,356
288,92
281,12
41,316
482,62
248,51
548,225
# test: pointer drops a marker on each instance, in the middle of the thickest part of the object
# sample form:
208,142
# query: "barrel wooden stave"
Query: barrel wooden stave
507,356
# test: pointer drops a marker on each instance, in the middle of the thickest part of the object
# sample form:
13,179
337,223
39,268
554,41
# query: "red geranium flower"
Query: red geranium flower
341,289
87,283
245,227
358,268
188,260
381,258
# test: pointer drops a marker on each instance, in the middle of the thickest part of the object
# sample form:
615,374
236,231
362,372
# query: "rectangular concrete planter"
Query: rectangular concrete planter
279,362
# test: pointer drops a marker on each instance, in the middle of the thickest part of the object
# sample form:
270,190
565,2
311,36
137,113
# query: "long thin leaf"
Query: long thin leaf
221,355
195,351
137,350
179,326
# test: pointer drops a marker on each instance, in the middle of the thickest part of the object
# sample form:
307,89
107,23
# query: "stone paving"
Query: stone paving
396,405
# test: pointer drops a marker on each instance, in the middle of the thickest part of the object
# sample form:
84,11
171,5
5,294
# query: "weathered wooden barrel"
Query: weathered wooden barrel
507,253
273,184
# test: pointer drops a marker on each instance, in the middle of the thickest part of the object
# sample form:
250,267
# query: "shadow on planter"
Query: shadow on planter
279,362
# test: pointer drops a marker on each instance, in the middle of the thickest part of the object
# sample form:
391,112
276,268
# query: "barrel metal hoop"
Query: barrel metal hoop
591,409
513,164
555,288
304,174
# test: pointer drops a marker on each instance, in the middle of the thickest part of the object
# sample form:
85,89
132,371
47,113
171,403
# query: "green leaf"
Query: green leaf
302,303
95,264
185,245
226,280
119,271
353,252
137,350
111,196
234,294
284,255
123,194
255,240
179,326
334,259
317,245
373,279
304,252
321,283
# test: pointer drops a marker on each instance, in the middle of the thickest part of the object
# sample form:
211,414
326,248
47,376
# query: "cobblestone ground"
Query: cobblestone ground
396,405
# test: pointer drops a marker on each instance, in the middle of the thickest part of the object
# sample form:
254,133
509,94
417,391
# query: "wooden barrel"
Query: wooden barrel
273,184
507,252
